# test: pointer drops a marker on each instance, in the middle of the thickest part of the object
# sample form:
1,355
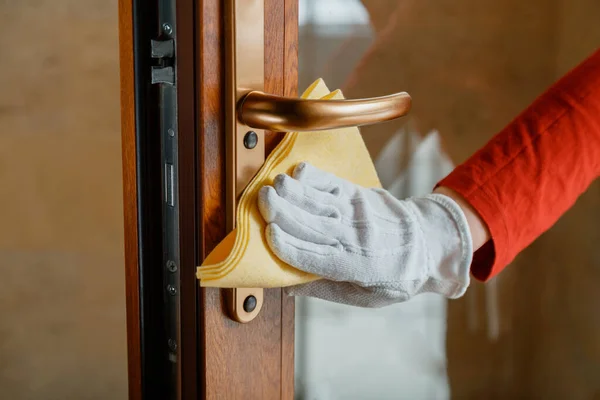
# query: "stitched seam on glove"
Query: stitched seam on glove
364,223
362,200
415,221
373,254
325,220
393,284
335,251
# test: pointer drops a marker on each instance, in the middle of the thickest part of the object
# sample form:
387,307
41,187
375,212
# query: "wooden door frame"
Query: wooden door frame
218,358
141,200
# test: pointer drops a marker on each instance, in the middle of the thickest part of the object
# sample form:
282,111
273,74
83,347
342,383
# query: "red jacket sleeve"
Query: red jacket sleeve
534,170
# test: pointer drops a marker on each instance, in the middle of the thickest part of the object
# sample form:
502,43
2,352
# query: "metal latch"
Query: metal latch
164,52
164,64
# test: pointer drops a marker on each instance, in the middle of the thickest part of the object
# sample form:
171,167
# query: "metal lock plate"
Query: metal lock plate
245,146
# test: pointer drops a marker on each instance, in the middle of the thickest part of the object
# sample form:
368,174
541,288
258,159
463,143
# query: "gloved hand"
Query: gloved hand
372,249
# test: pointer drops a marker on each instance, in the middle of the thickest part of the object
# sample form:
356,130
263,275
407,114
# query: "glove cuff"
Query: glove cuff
449,274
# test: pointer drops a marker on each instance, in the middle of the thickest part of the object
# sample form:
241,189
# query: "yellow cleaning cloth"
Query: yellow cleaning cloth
243,258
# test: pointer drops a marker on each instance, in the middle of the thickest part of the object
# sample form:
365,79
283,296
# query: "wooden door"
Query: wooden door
254,360
181,342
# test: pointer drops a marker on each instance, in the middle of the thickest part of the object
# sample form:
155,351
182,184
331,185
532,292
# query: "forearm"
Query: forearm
531,172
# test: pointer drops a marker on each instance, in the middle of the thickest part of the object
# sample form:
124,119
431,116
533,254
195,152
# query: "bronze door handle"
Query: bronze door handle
276,113
250,111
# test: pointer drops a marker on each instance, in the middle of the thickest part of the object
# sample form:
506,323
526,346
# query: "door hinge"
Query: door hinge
164,52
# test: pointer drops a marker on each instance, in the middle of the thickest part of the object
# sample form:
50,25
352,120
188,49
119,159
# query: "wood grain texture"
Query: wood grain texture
239,361
274,56
130,198
211,173
290,55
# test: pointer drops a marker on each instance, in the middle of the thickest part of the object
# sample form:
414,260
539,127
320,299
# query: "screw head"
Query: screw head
172,290
171,266
171,132
250,140
250,304
167,28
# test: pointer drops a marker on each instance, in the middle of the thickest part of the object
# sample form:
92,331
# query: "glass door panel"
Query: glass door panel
470,67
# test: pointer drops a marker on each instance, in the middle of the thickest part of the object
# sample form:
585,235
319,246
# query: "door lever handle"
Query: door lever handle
249,112
284,114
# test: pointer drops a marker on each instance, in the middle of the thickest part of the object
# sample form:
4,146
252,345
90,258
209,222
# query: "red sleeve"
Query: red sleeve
534,170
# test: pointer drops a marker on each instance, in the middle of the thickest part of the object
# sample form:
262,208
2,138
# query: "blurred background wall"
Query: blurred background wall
351,353
471,66
62,300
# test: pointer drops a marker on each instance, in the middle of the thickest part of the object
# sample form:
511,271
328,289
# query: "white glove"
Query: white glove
372,249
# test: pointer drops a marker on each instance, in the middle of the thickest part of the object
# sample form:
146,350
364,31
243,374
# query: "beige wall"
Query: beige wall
62,312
